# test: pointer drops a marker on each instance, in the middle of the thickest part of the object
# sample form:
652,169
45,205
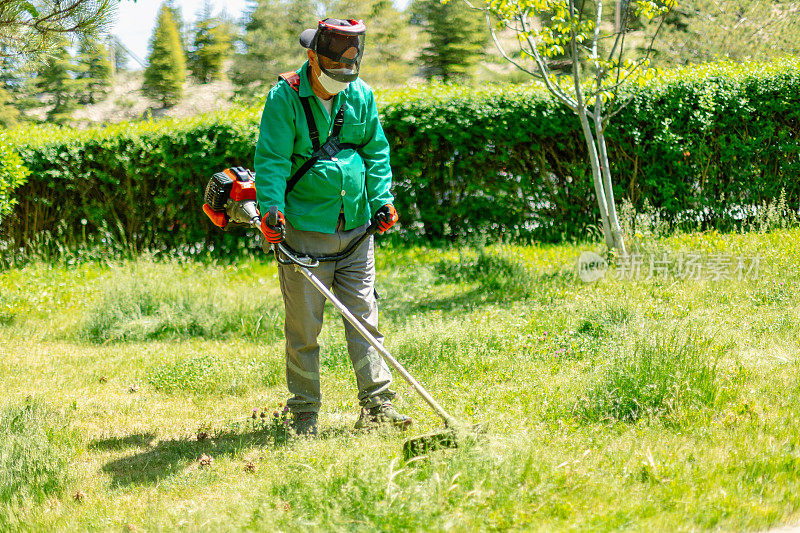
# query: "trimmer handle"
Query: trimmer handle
375,226
272,216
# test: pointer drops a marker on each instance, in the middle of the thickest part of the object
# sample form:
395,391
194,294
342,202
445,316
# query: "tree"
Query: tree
16,79
270,44
389,43
458,38
32,28
58,79
177,17
166,69
119,55
706,30
212,44
97,72
593,38
9,115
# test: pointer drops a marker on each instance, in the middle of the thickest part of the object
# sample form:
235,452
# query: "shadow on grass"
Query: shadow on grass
137,440
167,458
543,288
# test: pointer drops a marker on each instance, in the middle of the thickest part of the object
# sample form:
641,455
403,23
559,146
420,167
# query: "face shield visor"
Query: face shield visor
341,44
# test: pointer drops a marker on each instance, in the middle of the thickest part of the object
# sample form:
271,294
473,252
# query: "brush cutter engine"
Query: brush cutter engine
230,199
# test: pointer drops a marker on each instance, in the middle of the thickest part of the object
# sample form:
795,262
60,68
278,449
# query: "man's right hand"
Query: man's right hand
273,233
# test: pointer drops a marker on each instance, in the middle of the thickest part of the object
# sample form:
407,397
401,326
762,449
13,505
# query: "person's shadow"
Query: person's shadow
168,457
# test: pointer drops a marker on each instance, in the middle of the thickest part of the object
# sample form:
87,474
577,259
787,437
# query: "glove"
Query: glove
273,234
386,216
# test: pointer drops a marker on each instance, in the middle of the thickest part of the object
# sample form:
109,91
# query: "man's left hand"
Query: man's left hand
386,216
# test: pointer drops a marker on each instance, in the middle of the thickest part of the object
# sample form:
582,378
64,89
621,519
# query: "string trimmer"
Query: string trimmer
231,202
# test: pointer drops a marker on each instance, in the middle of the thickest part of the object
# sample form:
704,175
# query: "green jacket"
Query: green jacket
358,181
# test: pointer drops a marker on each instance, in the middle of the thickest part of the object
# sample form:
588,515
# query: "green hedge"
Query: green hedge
506,161
138,185
12,174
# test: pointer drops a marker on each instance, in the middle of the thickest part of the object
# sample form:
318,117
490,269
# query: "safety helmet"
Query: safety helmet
339,40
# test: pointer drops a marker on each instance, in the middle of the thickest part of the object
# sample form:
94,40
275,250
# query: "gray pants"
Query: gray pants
352,280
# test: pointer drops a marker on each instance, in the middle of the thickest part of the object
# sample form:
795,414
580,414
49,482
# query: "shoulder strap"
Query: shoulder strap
312,126
293,79
331,147
338,121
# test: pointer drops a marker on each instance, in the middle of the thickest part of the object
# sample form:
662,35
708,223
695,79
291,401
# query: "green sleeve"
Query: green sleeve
273,159
375,154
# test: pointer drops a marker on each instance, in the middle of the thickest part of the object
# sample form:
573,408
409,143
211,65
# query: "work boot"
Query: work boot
305,424
380,415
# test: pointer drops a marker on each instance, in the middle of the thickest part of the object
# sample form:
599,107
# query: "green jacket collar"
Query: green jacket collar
306,90
305,85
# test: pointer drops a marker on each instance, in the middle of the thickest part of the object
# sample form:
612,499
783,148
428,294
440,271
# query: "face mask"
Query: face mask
330,84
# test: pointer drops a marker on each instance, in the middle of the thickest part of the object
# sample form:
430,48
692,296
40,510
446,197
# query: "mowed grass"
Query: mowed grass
638,404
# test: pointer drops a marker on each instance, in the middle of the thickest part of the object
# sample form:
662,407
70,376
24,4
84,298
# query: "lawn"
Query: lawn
665,402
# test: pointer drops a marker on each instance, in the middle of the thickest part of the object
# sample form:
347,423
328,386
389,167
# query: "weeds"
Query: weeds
772,215
600,322
141,304
661,375
494,272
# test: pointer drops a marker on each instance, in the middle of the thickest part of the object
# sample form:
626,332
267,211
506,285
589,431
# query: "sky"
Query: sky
136,19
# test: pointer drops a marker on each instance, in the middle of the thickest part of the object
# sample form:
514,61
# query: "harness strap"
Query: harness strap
312,126
330,148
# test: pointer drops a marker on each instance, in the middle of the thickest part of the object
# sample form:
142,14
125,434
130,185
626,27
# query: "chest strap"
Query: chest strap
332,145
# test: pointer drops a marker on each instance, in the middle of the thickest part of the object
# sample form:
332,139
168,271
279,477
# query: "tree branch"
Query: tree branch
557,91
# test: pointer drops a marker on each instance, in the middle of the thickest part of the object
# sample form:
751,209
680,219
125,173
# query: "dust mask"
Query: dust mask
331,85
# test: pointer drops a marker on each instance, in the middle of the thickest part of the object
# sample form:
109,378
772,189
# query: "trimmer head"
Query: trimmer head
429,442
450,437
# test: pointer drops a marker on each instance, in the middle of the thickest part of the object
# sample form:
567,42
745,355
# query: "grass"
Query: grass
36,446
649,404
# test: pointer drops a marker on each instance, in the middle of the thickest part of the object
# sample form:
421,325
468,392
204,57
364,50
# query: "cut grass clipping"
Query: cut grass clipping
142,304
36,446
657,376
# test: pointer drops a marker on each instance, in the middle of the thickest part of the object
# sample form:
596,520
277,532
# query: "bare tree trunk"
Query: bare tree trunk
580,108
608,188
599,190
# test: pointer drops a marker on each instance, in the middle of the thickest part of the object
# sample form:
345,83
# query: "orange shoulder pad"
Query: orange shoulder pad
292,78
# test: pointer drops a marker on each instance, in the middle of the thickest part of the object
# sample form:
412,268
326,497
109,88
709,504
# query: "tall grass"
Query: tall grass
494,272
36,445
659,375
147,302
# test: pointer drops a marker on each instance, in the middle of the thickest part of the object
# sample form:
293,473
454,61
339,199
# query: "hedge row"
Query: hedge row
12,175
507,160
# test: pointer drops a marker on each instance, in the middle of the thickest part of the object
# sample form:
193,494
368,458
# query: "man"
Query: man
323,160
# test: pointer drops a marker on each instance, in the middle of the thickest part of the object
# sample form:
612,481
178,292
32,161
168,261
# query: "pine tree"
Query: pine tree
58,78
177,17
120,56
389,42
16,79
9,115
98,73
166,71
458,37
271,42
211,47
